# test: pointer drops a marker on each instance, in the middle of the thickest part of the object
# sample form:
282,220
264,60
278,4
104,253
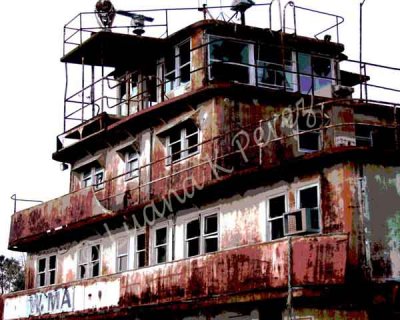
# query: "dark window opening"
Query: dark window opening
309,137
229,60
276,208
161,245
141,250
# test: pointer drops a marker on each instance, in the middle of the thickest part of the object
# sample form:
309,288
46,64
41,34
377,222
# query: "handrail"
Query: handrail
14,197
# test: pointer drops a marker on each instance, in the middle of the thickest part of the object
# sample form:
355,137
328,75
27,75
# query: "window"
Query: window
177,66
315,74
277,206
364,136
309,198
131,164
89,262
46,271
140,250
272,70
122,254
230,60
93,176
128,92
183,141
161,245
198,242
309,137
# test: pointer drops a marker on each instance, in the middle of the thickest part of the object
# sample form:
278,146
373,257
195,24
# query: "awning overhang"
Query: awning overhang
110,49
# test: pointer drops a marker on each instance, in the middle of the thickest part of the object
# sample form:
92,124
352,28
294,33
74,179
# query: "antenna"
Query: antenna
105,14
137,22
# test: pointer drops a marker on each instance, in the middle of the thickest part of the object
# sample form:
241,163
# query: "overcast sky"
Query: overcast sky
32,86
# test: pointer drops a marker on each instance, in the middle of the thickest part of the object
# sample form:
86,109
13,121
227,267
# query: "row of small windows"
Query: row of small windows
182,142
201,235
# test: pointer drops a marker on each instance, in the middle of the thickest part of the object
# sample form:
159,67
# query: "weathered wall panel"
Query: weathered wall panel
382,219
67,210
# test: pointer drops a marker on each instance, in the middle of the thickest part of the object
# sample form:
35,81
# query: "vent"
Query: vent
305,220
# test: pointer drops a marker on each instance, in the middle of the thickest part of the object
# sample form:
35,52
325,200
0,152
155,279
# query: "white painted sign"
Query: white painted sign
69,299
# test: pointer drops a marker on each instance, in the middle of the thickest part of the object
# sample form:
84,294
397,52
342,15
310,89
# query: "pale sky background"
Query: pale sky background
32,86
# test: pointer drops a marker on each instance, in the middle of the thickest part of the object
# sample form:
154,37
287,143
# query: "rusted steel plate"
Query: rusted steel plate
54,214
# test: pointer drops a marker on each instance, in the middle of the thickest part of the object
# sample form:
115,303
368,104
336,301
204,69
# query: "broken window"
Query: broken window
128,94
183,141
315,74
309,132
273,70
364,136
198,242
89,262
122,254
230,60
276,208
131,164
308,198
46,271
177,66
93,176
140,250
161,245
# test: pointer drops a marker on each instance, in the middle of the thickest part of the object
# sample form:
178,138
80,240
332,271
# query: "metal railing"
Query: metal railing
254,150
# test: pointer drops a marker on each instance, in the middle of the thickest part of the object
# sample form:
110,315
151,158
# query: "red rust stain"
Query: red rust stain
70,276
319,260
29,277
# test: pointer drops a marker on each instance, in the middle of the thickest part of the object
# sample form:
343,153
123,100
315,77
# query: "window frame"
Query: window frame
201,217
154,255
129,160
90,174
89,263
288,69
318,207
269,219
177,67
118,257
250,65
47,271
138,252
317,131
183,144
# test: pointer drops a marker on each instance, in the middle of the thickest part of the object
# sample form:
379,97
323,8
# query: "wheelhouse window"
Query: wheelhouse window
131,164
89,262
140,250
231,60
202,235
182,141
277,206
93,176
122,254
161,244
177,66
273,70
46,271
315,74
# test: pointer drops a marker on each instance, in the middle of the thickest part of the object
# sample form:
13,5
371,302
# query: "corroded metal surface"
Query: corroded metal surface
52,215
316,260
